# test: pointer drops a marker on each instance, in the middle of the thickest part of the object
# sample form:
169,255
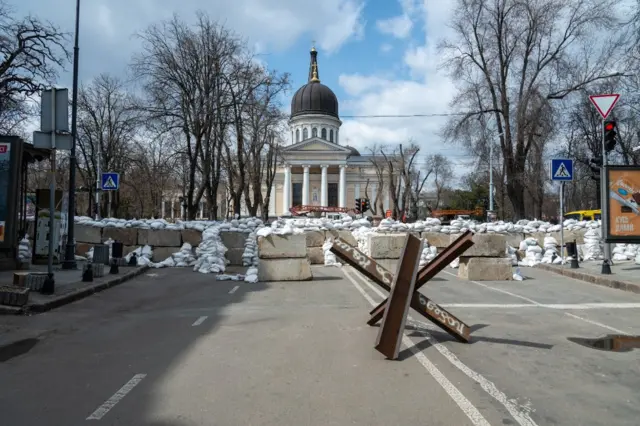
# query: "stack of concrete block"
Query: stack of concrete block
486,260
163,241
386,249
234,241
437,239
315,240
283,258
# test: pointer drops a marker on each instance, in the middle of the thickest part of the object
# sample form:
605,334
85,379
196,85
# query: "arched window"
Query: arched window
297,135
324,134
314,132
305,134
331,135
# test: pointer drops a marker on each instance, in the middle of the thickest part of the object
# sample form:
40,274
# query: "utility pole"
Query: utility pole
70,251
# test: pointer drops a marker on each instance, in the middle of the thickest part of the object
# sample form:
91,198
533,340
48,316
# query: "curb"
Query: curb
75,295
591,278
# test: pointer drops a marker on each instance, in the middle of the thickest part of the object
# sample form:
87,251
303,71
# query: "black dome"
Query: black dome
314,98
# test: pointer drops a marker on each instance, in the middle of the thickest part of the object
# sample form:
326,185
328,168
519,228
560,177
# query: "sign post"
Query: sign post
54,134
561,171
604,104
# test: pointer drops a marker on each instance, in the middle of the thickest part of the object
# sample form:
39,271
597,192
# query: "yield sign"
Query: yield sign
604,103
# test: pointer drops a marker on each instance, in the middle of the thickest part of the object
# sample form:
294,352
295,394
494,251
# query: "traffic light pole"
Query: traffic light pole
606,262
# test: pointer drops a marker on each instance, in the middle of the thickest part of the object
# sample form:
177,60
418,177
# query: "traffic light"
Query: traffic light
358,205
366,206
609,135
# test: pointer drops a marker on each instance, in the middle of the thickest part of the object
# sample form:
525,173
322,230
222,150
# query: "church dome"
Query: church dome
314,97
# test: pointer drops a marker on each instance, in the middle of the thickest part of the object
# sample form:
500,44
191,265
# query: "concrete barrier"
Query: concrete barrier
282,246
234,242
294,269
126,236
485,269
191,236
485,245
88,234
283,258
315,240
159,237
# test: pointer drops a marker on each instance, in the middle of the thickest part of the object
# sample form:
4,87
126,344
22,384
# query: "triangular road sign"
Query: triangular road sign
604,103
562,172
110,184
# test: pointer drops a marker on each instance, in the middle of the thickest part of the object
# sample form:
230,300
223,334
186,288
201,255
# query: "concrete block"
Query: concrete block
390,265
539,236
284,270
315,238
126,236
485,269
162,253
436,239
282,246
343,234
514,239
128,249
87,234
159,237
191,236
234,256
386,246
486,245
233,239
316,255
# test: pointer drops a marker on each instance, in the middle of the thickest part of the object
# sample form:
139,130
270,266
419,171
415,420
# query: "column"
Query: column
173,212
342,187
286,190
324,188
272,200
162,209
357,190
305,186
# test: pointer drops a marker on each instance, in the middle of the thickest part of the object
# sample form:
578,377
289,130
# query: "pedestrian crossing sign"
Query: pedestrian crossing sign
110,181
561,169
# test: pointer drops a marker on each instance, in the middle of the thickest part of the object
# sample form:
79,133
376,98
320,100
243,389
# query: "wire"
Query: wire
453,114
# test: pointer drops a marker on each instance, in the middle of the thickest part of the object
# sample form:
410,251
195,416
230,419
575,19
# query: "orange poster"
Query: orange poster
624,202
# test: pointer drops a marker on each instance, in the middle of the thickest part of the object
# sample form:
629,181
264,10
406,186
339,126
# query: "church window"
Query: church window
314,132
324,134
297,135
331,135
305,134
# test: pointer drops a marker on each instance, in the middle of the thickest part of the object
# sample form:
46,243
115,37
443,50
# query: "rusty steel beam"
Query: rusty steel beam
395,315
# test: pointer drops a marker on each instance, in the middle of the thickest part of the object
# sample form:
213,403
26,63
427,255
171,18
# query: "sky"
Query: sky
378,56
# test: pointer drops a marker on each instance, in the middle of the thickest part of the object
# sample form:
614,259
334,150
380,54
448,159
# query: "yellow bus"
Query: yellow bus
584,215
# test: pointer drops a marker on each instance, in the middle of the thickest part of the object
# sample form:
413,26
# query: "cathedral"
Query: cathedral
316,168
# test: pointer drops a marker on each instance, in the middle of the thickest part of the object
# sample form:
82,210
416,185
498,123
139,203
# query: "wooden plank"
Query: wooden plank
395,315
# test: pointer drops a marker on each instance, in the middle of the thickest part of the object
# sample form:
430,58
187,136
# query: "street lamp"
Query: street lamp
70,250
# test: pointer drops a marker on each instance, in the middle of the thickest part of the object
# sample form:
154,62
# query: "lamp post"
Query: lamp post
70,251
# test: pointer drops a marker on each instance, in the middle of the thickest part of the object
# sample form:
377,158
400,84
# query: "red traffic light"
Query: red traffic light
609,126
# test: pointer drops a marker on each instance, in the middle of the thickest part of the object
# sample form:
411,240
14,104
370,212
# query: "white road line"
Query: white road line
599,324
111,402
465,405
199,321
519,412
233,290
562,306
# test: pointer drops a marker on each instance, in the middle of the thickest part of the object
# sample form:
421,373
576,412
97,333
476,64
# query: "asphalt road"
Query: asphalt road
180,349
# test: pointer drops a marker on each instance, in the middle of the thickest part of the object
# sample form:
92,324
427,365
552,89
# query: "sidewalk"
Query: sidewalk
69,287
624,275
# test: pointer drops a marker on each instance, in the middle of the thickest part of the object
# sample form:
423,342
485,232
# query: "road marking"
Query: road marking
233,290
519,412
599,324
465,405
111,402
565,306
198,321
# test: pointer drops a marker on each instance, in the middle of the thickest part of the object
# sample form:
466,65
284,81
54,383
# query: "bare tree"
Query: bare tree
181,69
442,174
508,54
32,52
399,164
418,178
108,119
379,166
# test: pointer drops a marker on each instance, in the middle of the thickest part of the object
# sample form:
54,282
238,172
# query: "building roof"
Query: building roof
314,97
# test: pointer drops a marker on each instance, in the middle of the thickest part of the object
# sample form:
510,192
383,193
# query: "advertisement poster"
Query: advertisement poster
624,203
5,178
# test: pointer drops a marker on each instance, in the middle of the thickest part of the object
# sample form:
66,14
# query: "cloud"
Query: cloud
420,88
398,26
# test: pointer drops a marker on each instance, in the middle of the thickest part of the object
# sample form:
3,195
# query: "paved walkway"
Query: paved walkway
178,348
624,275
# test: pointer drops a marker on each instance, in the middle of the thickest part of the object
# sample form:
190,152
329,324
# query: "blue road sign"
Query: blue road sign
561,169
110,181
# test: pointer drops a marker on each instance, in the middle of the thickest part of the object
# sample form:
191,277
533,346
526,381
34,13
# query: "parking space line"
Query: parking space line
519,413
233,290
199,321
542,305
116,397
